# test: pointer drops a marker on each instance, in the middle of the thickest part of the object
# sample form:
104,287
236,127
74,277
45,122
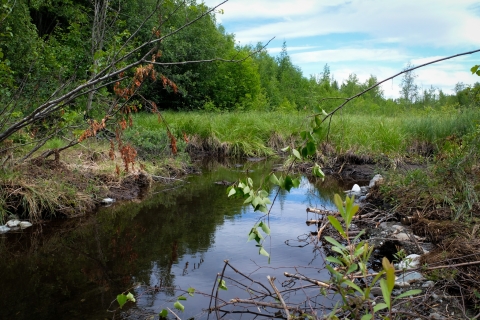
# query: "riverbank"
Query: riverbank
430,166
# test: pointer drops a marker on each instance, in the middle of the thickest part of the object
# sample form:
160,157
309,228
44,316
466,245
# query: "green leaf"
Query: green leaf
390,273
312,149
379,306
265,228
288,183
231,191
191,291
181,298
296,182
222,285
408,293
121,299
250,182
262,208
333,271
246,190
359,250
303,135
263,193
286,149
338,203
252,235
386,294
337,225
255,202
366,317
259,235
361,233
474,68
353,285
353,267
263,252
179,306
163,313
248,200
334,260
317,171
335,242
130,297
318,120
296,154
304,152
274,179
338,250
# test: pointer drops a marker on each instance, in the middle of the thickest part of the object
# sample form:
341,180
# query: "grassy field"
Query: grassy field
264,133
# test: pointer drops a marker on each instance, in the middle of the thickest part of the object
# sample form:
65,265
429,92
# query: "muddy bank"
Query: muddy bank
56,189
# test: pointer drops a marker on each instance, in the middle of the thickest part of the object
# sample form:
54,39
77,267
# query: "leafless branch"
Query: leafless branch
279,296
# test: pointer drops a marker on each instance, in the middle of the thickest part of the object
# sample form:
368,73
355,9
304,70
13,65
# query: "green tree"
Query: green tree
409,90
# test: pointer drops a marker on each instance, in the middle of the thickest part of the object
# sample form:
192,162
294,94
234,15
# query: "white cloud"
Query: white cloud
348,54
279,49
432,22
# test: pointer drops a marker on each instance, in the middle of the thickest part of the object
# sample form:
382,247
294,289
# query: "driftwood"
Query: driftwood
324,212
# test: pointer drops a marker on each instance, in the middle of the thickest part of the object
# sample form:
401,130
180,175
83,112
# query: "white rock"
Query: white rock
397,227
411,277
375,179
376,291
25,224
108,201
411,261
384,225
4,229
356,188
436,316
402,236
401,284
13,223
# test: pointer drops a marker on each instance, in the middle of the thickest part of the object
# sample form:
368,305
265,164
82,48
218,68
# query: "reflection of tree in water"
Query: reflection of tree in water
82,264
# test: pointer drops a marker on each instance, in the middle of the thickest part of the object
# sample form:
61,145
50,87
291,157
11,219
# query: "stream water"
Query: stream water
175,239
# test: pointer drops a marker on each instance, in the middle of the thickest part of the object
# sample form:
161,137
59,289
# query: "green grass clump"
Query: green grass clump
257,133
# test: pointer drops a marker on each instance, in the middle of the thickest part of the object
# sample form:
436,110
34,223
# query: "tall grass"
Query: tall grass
262,133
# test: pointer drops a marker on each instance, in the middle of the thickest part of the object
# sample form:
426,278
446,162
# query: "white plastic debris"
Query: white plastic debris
4,229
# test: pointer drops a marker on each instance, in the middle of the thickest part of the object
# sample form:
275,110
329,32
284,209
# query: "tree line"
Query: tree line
64,60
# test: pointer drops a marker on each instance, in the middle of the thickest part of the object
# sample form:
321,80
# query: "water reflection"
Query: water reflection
175,239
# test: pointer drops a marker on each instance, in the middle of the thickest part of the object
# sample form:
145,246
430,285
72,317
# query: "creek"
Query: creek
176,238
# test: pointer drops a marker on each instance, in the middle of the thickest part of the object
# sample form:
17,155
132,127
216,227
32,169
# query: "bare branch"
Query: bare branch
279,296
214,59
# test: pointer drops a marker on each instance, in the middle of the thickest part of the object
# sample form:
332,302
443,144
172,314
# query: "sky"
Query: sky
364,37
